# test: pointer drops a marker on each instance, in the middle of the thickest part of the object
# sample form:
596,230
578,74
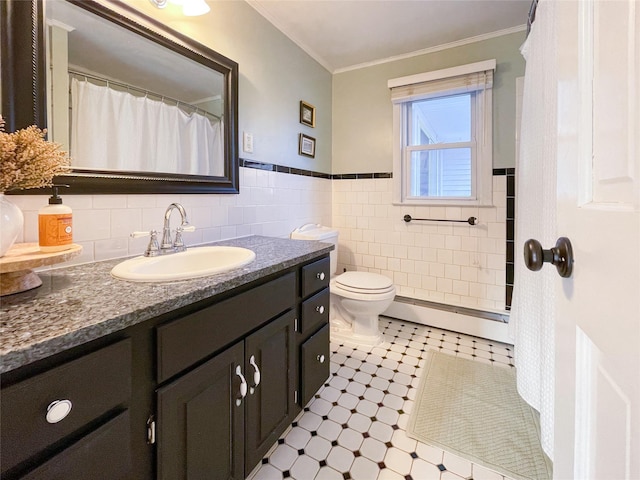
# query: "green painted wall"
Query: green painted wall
362,111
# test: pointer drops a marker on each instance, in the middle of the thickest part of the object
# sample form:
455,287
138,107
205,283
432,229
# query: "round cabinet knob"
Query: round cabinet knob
320,276
320,358
58,410
561,256
320,309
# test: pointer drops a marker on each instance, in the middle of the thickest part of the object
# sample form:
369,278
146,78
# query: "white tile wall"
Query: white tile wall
456,264
269,203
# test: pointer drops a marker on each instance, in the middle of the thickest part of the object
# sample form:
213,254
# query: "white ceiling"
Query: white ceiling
344,34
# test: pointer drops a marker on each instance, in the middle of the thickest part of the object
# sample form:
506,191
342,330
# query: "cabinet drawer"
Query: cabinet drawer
103,454
94,384
315,311
183,342
315,276
315,358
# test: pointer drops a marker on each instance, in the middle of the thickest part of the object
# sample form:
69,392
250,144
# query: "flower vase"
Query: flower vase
11,222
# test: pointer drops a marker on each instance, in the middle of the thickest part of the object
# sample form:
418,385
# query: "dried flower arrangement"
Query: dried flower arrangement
27,160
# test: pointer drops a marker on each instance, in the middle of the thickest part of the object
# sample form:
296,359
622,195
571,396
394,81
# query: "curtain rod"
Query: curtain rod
163,98
532,15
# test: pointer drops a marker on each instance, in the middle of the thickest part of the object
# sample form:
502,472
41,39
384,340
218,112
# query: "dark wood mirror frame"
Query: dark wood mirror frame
24,97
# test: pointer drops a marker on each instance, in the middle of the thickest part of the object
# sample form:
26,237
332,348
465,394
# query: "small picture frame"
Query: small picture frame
307,146
307,114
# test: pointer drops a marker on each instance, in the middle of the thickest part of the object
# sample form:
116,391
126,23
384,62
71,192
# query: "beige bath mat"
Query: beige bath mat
473,410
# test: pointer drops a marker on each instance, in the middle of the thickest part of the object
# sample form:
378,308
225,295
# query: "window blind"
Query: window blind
451,81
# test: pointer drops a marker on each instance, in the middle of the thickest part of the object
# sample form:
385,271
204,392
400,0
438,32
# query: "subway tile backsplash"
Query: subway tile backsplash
270,203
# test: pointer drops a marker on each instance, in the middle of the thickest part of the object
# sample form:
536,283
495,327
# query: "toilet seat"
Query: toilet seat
365,286
364,283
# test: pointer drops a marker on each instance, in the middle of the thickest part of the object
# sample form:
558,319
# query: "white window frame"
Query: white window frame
447,82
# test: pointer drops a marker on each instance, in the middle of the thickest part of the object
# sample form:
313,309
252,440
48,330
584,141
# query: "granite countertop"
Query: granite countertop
81,303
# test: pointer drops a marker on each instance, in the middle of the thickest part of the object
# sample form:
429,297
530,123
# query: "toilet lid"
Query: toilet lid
364,282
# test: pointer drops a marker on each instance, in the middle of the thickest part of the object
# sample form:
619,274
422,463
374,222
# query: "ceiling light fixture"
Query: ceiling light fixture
190,8
193,8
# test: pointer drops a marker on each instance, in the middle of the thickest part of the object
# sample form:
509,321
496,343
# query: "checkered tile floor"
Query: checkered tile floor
354,428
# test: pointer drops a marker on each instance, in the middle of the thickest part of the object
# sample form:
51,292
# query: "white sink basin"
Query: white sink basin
192,263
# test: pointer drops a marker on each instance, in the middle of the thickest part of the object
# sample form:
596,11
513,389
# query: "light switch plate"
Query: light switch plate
247,142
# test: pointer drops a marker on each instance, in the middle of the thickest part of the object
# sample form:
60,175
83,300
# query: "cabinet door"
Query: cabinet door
200,425
270,405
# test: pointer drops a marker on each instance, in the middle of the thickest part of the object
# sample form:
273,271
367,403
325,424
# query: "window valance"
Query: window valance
450,81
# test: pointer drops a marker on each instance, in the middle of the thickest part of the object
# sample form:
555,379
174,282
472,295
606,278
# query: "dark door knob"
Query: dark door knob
561,256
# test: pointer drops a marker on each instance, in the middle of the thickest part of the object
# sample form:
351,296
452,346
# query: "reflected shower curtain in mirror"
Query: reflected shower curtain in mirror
114,130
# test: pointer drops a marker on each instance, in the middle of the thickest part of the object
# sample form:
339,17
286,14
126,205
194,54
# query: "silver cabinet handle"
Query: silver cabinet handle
320,358
320,276
58,410
256,374
320,309
243,386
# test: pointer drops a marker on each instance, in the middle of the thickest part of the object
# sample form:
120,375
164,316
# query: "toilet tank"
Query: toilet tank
314,231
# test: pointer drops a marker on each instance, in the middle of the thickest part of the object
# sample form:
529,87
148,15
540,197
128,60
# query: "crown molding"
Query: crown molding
438,48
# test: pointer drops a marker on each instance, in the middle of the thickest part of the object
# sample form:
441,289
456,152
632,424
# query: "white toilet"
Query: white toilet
357,298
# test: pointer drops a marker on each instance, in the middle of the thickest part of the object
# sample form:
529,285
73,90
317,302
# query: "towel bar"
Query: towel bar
470,220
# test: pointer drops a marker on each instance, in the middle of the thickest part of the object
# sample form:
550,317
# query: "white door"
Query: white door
597,380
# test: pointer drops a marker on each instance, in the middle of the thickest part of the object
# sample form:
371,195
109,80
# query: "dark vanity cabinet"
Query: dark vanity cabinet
223,416
201,392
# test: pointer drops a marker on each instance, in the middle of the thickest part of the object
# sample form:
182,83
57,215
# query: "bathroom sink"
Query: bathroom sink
192,263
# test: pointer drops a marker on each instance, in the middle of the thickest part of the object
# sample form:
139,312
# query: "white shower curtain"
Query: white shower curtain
113,130
532,313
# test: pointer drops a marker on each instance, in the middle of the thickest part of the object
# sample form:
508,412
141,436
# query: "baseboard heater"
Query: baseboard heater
471,321
472,312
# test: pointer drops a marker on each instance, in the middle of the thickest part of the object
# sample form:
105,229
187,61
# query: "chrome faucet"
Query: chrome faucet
167,246
177,245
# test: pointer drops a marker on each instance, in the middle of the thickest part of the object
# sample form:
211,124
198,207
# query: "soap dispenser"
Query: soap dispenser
55,230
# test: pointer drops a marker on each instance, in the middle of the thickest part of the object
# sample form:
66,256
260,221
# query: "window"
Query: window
442,132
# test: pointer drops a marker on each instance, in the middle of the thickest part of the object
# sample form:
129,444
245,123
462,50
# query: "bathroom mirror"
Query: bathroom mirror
94,56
